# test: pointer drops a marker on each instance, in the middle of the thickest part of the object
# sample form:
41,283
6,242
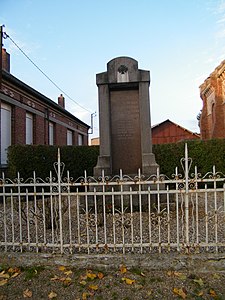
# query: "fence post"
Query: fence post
186,203
60,202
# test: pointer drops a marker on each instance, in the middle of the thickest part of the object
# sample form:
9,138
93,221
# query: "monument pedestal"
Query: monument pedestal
149,165
103,163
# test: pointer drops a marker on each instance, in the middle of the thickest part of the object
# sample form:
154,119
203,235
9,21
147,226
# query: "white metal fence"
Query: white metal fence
119,214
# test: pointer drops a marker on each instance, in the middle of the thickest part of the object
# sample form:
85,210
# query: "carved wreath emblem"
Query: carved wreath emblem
122,69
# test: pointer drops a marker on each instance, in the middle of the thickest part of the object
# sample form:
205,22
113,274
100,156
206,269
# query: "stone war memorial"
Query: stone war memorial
124,119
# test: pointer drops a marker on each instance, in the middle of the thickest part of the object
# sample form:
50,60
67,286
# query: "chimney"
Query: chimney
5,60
61,101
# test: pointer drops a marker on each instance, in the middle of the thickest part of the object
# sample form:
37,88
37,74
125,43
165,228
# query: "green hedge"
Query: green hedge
26,158
204,154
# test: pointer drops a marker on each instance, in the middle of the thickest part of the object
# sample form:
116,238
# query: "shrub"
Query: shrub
204,155
26,158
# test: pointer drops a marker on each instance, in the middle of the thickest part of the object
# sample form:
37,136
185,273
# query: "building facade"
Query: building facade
28,117
168,132
212,92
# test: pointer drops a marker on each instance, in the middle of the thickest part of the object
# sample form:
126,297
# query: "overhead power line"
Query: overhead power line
5,35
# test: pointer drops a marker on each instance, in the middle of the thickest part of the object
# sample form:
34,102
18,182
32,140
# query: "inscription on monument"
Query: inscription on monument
125,131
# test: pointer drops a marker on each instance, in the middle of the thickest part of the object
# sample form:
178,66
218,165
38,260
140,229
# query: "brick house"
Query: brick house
212,92
169,132
28,117
166,132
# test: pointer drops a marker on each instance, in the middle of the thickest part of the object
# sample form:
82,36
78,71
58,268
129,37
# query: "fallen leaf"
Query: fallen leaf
10,270
52,295
177,274
3,282
69,272
123,269
27,293
216,276
199,282
4,275
14,275
200,293
93,287
180,292
91,275
14,270
100,275
55,278
180,275
62,268
83,277
67,281
62,279
83,282
84,296
212,293
128,280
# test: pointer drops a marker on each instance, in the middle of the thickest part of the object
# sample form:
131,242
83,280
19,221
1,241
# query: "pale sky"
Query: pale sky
180,42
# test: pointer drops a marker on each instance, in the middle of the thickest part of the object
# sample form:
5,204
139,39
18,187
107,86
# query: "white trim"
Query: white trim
6,131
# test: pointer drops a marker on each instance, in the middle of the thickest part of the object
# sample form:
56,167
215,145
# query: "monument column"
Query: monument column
104,159
104,113
124,119
148,158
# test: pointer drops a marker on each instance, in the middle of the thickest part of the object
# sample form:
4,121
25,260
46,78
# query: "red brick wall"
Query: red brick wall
41,120
40,134
169,132
60,135
212,122
86,140
19,128
212,125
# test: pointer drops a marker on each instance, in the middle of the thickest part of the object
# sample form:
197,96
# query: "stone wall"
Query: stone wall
210,262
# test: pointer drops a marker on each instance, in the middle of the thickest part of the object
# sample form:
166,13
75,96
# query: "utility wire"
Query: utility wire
5,35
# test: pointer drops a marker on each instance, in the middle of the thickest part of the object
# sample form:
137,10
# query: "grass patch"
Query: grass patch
136,271
155,279
3,268
31,272
114,295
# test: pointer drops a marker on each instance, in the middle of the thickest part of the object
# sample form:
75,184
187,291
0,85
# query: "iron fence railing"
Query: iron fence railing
119,214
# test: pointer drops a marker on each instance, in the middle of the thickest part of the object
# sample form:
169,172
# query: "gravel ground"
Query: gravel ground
59,282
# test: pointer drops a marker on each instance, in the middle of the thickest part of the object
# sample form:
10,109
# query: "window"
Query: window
51,133
69,137
210,101
5,131
80,139
29,129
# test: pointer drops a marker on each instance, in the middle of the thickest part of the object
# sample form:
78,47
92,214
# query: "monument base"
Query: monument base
149,165
104,163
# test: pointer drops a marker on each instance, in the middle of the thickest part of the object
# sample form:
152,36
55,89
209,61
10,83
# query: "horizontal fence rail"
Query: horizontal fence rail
120,214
